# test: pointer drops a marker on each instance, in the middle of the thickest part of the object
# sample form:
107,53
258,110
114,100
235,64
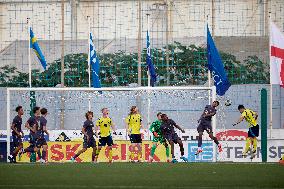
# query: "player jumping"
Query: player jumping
169,133
89,140
155,128
105,123
41,142
253,132
205,124
134,124
17,134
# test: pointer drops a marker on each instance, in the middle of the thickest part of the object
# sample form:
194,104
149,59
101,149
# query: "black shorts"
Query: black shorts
135,138
16,141
253,131
103,141
40,142
204,126
172,137
89,144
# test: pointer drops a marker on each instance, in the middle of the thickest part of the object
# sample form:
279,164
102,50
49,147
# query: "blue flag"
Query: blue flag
151,67
34,45
215,65
95,64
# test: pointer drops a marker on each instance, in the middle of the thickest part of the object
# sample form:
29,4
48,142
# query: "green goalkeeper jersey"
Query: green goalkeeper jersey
156,127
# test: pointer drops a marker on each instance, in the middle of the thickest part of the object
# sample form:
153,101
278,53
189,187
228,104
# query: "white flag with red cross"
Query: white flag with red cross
276,55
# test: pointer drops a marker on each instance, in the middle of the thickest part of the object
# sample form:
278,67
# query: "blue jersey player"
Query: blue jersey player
17,134
205,125
40,141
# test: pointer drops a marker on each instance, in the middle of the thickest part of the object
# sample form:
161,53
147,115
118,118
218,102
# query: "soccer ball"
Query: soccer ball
228,103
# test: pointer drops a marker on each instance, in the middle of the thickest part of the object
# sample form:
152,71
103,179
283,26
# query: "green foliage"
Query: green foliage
187,66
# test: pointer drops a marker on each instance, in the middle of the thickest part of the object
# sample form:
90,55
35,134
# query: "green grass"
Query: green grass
143,175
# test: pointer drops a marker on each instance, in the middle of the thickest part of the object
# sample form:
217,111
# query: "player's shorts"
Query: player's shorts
253,131
135,138
204,126
172,137
89,144
159,139
103,141
40,142
16,141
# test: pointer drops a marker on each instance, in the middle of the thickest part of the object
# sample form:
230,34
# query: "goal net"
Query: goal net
67,107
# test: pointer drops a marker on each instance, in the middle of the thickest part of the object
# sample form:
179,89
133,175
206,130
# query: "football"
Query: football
228,103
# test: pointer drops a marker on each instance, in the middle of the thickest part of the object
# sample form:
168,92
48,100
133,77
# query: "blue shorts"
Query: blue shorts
103,141
16,140
172,137
89,144
40,142
204,126
253,131
135,138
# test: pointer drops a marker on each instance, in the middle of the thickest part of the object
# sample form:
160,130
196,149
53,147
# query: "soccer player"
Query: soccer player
17,134
32,124
253,132
205,125
105,124
155,128
168,130
89,140
41,142
134,124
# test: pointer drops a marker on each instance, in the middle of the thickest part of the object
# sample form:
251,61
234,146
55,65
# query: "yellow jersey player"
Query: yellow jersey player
134,124
253,132
105,124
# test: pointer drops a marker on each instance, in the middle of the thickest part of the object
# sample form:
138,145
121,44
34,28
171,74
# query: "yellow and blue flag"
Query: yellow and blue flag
34,45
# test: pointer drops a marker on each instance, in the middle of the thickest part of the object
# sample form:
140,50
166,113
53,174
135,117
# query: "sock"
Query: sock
43,154
254,144
110,155
167,152
132,156
39,154
199,140
76,155
153,150
247,145
93,156
182,151
215,140
139,155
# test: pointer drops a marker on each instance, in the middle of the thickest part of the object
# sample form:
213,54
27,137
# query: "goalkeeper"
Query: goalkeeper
155,128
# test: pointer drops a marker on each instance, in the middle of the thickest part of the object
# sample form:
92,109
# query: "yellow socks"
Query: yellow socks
248,142
254,144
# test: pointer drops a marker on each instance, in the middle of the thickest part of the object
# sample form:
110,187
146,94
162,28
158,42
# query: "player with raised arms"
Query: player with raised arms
134,124
155,128
205,125
168,130
105,124
17,134
89,140
253,132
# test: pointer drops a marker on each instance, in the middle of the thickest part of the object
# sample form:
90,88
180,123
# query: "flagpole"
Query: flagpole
29,53
89,58
148,72
271,88
208,73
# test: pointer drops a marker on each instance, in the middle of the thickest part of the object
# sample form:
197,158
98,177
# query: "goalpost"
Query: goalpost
184,104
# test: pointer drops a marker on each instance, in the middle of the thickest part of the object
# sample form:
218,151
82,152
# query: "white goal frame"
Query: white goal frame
211,95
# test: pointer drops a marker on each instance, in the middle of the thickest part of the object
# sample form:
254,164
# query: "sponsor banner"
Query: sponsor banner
232,151
63,151
189,135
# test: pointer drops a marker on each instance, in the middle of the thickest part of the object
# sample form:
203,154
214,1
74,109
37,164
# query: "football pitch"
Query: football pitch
142,175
